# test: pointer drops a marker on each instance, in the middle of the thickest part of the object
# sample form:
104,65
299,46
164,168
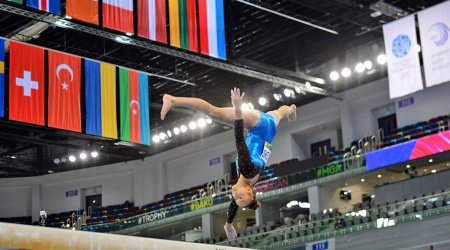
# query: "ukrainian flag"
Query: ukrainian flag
101,117
2,78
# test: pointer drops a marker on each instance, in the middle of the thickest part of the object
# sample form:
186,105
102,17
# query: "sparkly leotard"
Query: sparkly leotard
249,162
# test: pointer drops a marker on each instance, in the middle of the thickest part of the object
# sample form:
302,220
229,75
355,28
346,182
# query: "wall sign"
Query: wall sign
329,170
329,244
214,161
406,102
71,193
152,217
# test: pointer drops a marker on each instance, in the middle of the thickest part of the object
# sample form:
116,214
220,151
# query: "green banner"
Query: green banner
124,105
16,1
329,170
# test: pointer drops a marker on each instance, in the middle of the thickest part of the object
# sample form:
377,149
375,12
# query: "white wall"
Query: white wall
186,166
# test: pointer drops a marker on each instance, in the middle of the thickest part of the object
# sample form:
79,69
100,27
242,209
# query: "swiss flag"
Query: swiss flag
26,84
64,74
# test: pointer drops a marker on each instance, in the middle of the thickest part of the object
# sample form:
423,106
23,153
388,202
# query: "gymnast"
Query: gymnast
253,153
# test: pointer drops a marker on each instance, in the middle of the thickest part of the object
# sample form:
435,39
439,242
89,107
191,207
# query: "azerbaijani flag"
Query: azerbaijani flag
100,81
134,107
152,20
52,6
183,24
2,78
212,28
118,15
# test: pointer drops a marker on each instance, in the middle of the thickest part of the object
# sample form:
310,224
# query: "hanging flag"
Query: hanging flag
52,6
100,84
118,15
16,1
402,57
26,84
212,28
2,78
64,74
434,26
83,10
183,24
152,20
134,115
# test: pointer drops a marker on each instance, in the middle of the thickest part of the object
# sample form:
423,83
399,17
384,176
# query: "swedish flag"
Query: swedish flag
2,78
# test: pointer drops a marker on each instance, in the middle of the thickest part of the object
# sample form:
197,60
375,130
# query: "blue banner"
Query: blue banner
144,110
2,78
93,98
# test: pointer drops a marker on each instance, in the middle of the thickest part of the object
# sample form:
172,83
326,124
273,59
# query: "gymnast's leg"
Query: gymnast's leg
222,115
289,112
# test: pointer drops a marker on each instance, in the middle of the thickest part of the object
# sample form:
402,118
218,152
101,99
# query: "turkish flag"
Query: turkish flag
26,84
64,74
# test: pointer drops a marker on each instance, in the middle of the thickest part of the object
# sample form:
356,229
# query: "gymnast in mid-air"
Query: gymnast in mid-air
253,153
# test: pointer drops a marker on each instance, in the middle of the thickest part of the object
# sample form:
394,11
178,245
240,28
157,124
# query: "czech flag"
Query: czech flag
118,15
52,6
152,20
2,78
134,107
100,81
212,28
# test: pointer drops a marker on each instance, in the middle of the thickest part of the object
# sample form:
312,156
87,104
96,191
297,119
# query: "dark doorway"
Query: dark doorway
320,148
94,202
388,123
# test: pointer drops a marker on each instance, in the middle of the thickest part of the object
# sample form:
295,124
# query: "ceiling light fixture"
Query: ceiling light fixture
262,101
368,64
334,76
208,120
192,125
176,130
360,67
277,97
183,128
287,92
201,122
381,59
433,171
363,180
72,158
346,72
156,138
94,154
83,155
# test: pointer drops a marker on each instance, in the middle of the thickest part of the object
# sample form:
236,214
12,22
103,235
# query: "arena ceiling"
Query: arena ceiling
257,40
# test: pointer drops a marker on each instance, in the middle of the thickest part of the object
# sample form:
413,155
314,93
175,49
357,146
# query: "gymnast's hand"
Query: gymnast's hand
236,98
231,232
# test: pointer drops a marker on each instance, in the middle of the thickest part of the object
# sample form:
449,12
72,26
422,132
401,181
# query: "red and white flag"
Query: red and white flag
26,84
64,74
118,15
152,20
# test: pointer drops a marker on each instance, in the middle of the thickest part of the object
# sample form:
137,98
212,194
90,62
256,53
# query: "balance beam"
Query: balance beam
18,236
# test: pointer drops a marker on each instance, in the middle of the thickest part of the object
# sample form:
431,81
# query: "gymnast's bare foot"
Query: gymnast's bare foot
293,115
167,105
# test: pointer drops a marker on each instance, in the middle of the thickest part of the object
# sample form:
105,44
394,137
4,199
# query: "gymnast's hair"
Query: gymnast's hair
254,204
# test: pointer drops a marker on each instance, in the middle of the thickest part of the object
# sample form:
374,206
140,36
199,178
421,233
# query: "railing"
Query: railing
388,214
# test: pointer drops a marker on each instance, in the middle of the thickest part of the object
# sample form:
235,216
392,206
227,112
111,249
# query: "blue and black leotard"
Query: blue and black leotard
249,162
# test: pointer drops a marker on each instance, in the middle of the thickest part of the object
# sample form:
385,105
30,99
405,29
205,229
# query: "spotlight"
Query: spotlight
363,180
308,85
287,92
277,97
183,128
169,133
430,160
208,120
245,107
72,158
94,154
433,171
360,67
262,101
64,160
156,138
83,156
346,72
201,122
379,176
250,105
176,130
128,34
57,161
334,76
192,125
381,59
418,48
298,90
368,65
68,17
408,166
162,136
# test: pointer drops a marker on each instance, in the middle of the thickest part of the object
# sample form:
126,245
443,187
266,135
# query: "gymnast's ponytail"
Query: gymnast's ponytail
254,205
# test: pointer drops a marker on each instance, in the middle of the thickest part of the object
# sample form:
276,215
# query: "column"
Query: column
208,226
